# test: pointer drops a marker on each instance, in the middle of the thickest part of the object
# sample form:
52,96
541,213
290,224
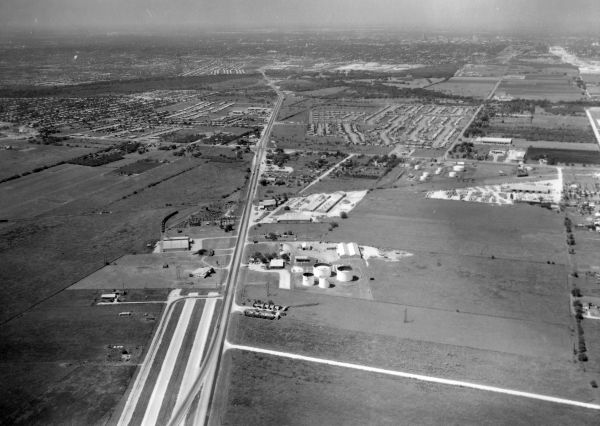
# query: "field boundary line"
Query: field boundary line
419,377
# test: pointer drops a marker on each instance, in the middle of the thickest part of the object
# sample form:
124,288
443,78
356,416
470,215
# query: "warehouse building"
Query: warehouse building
526,188
348,250
175,244
277,264
267,204
294,218
493,141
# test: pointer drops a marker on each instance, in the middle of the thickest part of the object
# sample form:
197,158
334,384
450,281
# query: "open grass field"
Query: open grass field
403,219
529,291
47,375
543,126
81,242
70,189
27,157
41,192
129,86
144,271
484,298
552,89
448,325
476,87
281,391
524,144
30,252
55,361
568,156
587,249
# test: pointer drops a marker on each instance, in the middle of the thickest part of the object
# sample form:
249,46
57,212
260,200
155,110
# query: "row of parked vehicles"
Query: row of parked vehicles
265,310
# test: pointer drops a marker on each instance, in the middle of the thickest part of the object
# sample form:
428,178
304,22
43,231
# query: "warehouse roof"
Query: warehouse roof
347,250
176,244
276,264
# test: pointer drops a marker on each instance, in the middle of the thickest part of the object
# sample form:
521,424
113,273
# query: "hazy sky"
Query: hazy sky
576,15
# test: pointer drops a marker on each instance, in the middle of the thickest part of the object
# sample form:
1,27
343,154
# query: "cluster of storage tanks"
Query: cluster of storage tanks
322,272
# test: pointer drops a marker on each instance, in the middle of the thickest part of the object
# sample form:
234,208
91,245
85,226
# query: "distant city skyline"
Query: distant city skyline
461,15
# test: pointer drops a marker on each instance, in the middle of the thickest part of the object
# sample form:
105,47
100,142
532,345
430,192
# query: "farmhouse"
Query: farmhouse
493,141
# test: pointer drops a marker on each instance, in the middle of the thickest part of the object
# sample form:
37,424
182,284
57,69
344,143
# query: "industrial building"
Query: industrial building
276,264
348,250
294,218
492,141
175,244
267,204
526,188
204,272
109,297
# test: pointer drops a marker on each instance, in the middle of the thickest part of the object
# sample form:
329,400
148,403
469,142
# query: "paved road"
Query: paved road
142,376
192,369
168,365
419,377
493,91
206,380
594,125
462,132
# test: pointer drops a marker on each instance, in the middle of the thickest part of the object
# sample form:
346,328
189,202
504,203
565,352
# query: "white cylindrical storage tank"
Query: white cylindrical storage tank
323,283
458,168
452,174
344,273
322,270
308,279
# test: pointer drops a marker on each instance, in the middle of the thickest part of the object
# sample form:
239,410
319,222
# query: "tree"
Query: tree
344,215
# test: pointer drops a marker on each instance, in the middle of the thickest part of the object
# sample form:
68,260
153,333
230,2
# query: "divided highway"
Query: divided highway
194,395
206,380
